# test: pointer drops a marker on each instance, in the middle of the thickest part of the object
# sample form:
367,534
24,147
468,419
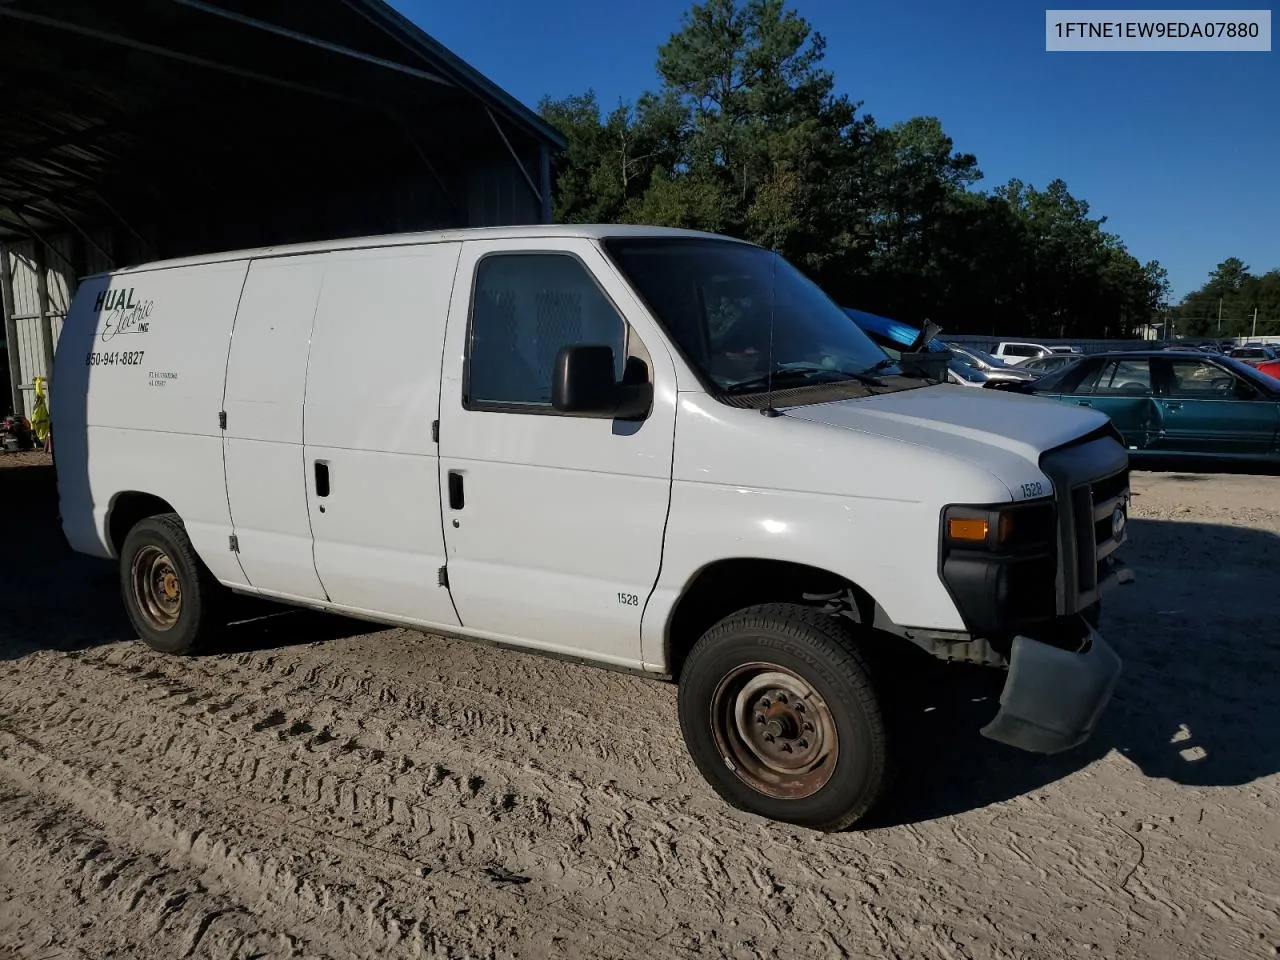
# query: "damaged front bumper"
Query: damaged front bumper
1053,697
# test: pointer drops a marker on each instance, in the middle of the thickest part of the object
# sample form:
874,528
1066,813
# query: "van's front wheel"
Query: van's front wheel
170,596
780,715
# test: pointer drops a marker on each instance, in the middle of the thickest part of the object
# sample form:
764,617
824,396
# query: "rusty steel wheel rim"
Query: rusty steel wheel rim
774,731
157,589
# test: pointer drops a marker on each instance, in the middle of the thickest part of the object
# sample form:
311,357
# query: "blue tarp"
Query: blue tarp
895,330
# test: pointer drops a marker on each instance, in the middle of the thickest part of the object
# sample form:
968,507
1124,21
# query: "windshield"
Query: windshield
1056,362
718,299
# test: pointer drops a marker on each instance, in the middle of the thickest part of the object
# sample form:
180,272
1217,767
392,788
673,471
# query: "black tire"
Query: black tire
156,558
730,670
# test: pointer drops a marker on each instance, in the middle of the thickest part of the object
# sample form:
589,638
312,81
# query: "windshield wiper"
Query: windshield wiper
785,376
880,365
789,376
864,376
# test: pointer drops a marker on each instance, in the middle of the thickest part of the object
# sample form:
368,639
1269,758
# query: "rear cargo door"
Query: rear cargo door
262,441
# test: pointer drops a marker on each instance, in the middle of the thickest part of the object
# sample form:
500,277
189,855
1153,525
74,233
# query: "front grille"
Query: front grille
1114,485
1093,509
1090,477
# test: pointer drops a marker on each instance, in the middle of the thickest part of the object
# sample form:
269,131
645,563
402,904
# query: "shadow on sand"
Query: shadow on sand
1194,705
54,599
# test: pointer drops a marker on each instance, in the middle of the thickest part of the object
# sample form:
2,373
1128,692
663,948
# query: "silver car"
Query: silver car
994,368
962,372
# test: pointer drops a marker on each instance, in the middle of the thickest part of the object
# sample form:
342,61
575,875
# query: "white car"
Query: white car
1014,352
658,450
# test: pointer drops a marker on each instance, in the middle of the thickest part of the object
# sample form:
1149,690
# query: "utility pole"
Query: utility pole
1254,335
1219,316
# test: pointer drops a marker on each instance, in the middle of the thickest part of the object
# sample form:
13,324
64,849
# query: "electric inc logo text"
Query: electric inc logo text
122,314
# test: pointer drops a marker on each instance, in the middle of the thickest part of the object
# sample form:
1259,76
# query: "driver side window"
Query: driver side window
525,307
1199,380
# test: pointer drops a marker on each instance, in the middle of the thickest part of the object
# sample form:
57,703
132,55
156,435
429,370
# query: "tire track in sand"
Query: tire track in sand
469,829
124,896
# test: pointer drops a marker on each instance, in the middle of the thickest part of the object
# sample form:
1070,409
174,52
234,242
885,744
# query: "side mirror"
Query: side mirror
583,384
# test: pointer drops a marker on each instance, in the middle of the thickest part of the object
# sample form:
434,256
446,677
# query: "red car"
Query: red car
1270,367
1264,357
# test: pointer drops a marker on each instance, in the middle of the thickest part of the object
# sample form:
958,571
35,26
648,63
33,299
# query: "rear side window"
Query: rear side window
1125,377
1070,378
525,307
1018,350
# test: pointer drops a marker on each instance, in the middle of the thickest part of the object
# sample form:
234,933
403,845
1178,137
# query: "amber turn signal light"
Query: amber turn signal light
1015,526
968,529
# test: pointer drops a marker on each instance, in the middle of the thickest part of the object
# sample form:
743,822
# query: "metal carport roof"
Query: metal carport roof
264,120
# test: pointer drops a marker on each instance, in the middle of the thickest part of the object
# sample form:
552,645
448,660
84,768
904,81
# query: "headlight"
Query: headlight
1002,528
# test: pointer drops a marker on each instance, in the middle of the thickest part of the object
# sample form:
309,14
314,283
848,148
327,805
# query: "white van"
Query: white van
654,449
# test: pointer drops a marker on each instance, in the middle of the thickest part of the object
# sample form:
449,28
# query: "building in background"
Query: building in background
161,128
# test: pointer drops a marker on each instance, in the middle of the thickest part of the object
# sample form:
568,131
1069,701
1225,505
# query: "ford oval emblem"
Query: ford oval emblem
1118,520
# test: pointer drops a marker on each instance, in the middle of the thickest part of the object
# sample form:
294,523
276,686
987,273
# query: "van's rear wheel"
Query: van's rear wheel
171,598
780,715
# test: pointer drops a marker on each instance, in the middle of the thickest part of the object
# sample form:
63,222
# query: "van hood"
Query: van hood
983,426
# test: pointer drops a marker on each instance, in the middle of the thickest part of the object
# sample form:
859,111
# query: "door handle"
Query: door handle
456,499
1172,407
322,478
1084,403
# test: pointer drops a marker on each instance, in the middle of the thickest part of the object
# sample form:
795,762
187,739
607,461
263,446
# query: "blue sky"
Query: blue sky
1179,150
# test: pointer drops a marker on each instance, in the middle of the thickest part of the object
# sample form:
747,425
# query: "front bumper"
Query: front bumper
1053,697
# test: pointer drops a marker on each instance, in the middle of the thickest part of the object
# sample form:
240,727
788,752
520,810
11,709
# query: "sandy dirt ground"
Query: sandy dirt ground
327,789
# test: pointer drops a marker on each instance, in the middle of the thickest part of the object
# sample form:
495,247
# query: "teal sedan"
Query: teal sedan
1175,403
